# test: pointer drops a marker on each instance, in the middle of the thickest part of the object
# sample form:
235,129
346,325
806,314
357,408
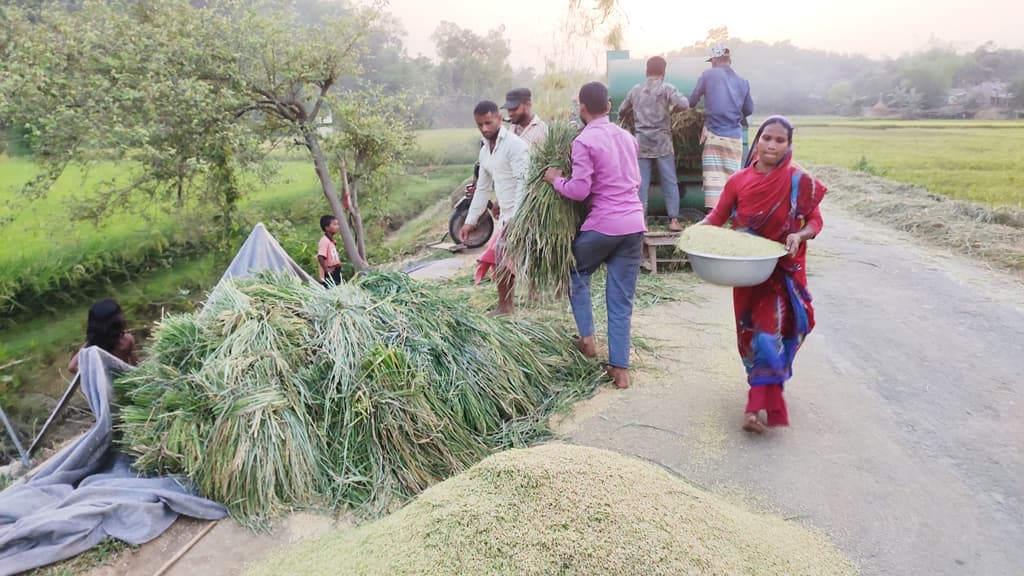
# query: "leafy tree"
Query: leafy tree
470,67
128,82
373,136
841,96
190,96
908,100
1016,90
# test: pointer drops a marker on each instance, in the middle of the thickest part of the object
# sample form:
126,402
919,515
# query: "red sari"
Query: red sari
772,318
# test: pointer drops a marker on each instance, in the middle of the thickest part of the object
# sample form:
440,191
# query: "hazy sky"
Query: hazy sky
874,27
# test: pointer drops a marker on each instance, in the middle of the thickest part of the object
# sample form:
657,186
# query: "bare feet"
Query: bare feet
587,346
752,424
674,225
620,377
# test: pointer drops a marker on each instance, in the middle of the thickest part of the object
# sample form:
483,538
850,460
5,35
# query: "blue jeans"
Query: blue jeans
621,256
669,182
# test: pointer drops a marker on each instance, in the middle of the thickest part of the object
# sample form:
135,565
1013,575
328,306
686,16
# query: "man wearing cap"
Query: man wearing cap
525,124
727,104
651,103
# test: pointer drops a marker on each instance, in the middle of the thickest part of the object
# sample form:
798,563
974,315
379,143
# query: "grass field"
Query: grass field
977,161
290,206
449,146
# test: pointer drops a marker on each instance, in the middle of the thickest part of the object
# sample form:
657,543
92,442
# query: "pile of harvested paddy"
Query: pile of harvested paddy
570,510
715,241
281,394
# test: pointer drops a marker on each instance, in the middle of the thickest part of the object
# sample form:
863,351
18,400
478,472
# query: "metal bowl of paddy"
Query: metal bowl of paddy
735,271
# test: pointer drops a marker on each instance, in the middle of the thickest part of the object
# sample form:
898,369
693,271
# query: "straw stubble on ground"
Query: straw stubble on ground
992,236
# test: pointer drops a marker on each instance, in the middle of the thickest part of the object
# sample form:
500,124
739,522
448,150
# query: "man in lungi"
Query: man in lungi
727,104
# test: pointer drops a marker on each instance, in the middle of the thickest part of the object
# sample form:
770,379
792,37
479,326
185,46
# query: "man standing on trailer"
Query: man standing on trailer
652,103
727,104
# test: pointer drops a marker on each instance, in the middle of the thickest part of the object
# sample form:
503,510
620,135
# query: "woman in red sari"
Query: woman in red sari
775,199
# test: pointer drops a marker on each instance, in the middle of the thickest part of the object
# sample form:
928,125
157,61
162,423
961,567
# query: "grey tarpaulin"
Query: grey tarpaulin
88,491
260,253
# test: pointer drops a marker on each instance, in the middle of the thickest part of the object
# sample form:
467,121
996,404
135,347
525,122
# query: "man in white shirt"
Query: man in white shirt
525,124
504,160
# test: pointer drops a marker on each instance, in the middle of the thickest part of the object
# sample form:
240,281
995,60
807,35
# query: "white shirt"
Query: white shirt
502,176
534,133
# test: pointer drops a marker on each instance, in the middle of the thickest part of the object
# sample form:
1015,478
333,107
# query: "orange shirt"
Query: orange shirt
329,250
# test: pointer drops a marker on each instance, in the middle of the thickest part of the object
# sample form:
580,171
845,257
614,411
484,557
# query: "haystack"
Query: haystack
570,510
281,394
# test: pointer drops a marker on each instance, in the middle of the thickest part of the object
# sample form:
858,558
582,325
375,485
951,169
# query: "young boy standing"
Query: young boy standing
327,252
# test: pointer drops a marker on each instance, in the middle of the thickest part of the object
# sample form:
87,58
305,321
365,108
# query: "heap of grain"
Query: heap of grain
563,509
281,394
715,241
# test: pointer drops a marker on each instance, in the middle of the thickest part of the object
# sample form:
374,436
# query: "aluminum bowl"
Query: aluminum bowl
735,271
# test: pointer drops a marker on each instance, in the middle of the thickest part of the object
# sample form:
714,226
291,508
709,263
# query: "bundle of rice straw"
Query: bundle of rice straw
572,510
538,242
281,394
687,127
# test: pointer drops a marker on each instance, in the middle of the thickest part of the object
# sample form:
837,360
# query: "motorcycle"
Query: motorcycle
484,225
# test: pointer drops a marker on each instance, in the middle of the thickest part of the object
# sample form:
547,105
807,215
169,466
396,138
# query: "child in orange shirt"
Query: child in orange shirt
327,252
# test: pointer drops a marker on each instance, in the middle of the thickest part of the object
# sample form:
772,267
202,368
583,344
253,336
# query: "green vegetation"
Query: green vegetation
281,394
978,162
447,146
967,160
539,239
49,330
49,260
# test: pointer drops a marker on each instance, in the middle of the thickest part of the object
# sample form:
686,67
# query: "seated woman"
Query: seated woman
773,198
108,330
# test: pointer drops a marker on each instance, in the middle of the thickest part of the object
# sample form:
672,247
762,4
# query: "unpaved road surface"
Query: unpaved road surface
906,408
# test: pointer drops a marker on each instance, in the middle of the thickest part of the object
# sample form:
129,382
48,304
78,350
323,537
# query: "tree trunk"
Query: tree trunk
358,261
357,215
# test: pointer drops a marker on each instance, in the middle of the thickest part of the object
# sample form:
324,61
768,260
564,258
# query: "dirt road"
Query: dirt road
907,438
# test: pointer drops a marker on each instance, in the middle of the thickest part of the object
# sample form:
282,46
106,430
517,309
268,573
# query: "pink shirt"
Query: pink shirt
329,250
606,175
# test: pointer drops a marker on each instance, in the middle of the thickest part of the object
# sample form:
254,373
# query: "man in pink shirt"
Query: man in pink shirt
605,175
